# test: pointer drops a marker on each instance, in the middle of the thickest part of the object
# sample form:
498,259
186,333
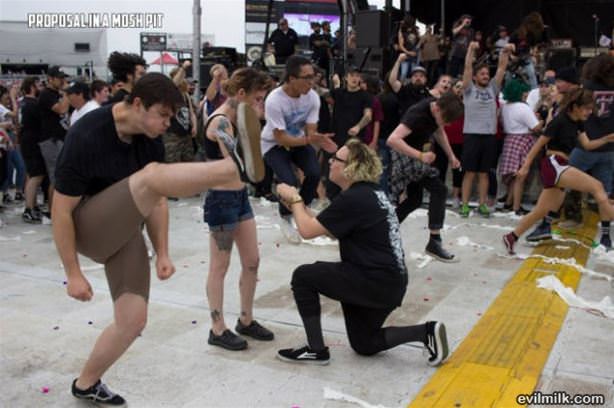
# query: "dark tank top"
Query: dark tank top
212,149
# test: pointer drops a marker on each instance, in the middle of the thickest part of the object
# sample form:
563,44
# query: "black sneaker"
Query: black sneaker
434,249
254,330
522,211
227,340
6,199
304,355
99,393
31,217
41,213
540,233
436,343
606,241
19,197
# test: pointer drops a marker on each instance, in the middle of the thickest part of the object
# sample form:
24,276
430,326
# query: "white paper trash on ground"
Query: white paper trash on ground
604,308
339,396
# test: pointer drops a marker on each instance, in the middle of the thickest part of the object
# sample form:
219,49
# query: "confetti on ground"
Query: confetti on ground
603,308
321,241
56,327
29,232
90,322
572,262
465,241
193,321
339,396
45,390
3,238
422,259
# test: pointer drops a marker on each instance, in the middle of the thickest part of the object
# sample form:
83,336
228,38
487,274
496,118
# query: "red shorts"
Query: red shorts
551,168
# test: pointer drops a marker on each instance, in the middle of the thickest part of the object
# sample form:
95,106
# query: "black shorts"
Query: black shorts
480,153
33,159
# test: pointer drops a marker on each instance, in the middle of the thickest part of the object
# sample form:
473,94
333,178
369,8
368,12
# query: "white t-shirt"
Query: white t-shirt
283,112
79,113
518,118
533,98
4,111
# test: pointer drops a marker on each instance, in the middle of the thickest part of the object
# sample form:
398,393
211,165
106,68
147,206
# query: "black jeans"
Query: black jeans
282,161
365,304
437,201
441,164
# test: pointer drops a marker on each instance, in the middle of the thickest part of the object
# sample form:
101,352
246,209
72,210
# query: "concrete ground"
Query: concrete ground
45,336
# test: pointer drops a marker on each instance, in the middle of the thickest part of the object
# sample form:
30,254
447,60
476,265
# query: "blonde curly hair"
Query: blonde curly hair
362,164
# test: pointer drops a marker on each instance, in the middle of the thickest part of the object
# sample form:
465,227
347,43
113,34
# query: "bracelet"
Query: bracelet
420,157
296,200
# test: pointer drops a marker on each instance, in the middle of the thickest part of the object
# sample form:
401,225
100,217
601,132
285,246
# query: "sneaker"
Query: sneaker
606,241
507,208
434,249
98,393
227,340
464,211
304,355
484,211
248,126
31,217
289,232
509,240
456,203
41,212
436,343
254,330
521,211
540,233
19,196
6,199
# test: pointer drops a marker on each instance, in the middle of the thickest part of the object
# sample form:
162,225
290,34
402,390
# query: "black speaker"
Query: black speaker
560,58
371,29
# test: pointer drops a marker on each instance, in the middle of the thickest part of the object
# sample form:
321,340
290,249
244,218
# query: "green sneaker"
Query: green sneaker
464,211
484,211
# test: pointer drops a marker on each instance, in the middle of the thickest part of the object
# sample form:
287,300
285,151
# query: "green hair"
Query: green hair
513,90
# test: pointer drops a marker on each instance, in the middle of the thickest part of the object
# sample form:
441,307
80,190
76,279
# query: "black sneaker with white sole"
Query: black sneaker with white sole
436,343
98,393
304,355
434,249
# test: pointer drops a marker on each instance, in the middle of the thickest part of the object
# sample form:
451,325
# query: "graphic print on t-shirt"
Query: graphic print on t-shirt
295,121
394,232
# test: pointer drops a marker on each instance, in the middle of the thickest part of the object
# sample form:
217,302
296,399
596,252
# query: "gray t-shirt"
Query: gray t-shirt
481,109
283,112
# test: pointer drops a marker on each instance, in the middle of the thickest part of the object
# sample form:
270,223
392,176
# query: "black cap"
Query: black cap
568,74
56,72
78,87
352,69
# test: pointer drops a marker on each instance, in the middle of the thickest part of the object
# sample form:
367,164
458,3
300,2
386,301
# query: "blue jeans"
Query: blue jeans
283,160
225,209
599,164
384,154
14,161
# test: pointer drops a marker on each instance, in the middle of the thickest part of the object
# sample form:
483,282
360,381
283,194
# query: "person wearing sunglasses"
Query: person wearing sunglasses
371,279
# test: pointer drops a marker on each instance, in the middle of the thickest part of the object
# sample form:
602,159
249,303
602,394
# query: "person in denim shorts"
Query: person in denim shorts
229,214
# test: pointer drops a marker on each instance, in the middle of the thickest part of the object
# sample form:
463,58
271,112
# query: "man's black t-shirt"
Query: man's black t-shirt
563,133
30,122
320,53
390,106
409,95
347,112
420,120
365,223
284,43
601,122
94,158
119,96
51,125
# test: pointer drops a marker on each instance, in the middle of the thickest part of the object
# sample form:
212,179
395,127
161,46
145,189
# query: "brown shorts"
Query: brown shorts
108,230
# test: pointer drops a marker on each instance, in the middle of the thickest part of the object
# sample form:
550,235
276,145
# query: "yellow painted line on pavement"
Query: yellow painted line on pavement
504,354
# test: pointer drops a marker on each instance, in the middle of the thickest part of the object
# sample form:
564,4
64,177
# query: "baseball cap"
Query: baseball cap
418,68
56,72
78,87
352,69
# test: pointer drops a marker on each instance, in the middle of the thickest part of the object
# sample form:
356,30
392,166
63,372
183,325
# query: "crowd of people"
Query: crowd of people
108,155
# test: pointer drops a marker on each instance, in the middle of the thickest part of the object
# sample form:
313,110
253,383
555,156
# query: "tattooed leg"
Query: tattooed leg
220,245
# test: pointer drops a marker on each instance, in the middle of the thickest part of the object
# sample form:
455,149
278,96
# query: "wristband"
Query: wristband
297,199
420,157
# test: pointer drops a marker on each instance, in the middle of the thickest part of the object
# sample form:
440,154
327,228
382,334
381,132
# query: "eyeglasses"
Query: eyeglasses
335,158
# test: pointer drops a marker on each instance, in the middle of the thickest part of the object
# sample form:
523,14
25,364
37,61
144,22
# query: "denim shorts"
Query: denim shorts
224,209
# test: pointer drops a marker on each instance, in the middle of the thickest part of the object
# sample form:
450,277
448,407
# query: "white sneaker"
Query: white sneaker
456,203
289,231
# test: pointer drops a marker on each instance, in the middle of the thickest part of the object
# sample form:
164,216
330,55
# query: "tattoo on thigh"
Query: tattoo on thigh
223,240
216,315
